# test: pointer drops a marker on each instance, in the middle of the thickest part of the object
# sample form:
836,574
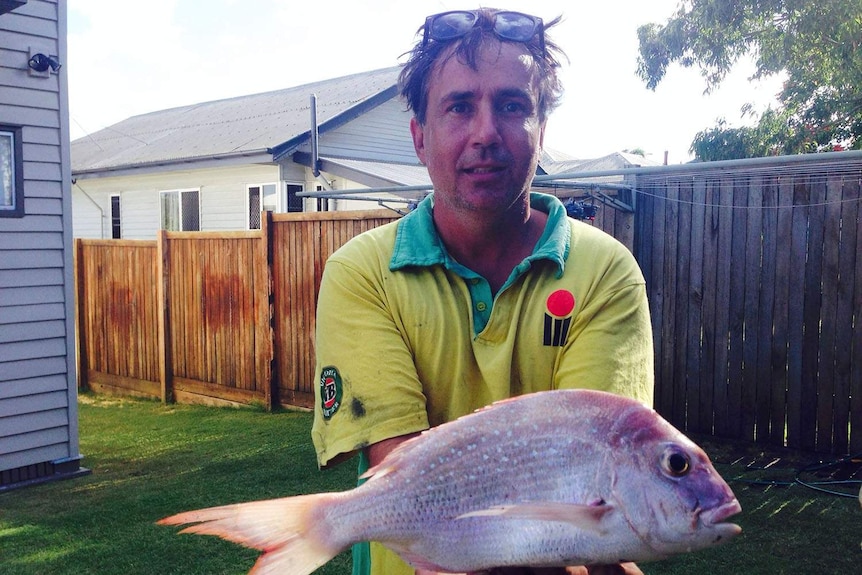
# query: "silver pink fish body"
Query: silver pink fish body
553,478
549,479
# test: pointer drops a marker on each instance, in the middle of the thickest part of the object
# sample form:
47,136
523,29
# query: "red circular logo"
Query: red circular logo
561,303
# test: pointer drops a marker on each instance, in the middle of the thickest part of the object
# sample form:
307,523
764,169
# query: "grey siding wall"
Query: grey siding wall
38,410
382,134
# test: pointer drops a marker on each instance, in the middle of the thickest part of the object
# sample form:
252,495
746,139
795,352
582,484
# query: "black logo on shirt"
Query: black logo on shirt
558,317
330,391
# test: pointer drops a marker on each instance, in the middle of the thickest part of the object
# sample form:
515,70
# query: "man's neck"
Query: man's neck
491,245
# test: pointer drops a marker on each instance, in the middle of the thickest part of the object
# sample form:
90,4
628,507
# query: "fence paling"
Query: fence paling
855,376
115,313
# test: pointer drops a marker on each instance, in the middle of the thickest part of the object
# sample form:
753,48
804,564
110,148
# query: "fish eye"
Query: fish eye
676,463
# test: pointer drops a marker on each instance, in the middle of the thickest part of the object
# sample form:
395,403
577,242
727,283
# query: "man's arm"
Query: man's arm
378,451
361,399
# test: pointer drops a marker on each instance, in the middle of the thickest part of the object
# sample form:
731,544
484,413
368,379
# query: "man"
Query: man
484,291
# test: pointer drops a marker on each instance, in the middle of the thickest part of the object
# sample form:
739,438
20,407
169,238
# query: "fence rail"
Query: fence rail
754,282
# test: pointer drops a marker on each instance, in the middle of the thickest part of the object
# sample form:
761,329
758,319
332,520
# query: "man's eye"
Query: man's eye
459,108
514,108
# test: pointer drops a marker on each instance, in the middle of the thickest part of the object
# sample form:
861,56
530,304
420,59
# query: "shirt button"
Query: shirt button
481,306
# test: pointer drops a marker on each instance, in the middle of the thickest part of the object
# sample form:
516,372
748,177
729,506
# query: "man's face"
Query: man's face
482,135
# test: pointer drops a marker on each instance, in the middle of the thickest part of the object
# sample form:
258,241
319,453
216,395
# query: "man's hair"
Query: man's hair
414,77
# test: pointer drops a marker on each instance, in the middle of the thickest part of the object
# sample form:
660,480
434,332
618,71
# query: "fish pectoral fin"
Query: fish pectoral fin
587,517
378,471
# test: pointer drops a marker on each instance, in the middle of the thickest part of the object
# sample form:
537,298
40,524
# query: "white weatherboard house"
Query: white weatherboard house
213,166
38,407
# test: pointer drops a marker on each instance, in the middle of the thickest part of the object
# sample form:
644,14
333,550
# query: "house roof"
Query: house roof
257,124
614,161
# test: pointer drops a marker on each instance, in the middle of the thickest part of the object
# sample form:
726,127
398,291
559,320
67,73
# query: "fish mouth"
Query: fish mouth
715,518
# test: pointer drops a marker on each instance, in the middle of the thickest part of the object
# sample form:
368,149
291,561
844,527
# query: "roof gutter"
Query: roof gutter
136,168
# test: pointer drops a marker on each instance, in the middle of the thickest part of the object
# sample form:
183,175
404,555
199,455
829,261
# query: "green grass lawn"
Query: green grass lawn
151,460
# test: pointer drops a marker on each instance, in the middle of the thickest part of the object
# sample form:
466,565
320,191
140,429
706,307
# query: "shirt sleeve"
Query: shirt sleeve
366,388
610,346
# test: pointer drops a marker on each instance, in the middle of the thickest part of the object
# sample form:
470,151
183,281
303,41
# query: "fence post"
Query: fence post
163,302
264,315
80,314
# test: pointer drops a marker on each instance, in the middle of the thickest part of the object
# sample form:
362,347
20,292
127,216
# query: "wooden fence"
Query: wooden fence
301,245
755,287
118,317
754,281
219,318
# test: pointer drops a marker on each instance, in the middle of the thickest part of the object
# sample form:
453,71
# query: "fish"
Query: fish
551,478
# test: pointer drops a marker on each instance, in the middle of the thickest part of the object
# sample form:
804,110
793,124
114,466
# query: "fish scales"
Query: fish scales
446,477
547,479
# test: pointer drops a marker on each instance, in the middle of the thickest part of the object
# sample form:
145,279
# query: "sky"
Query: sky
130,58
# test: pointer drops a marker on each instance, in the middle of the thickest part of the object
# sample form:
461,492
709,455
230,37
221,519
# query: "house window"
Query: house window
11,172
181,211
261,197
294,202
116,230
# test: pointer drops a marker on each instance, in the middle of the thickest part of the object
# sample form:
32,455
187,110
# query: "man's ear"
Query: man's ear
418,133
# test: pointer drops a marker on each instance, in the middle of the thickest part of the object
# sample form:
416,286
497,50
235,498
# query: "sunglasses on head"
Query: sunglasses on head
512,26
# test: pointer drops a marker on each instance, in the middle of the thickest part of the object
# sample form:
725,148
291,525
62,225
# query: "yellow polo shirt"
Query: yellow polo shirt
407,338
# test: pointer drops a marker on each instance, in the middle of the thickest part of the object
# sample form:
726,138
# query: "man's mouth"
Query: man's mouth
480,170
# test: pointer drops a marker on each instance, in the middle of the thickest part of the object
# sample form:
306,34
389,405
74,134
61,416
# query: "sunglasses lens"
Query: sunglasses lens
516,26
451,25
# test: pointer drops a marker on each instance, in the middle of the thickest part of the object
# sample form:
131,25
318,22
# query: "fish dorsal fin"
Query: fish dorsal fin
586,517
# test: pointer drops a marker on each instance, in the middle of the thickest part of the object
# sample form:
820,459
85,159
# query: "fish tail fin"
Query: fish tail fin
295,541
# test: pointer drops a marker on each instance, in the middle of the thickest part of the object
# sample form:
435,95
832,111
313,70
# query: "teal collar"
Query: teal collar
417,242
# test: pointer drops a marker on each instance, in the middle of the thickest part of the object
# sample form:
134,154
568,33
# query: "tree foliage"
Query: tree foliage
817,44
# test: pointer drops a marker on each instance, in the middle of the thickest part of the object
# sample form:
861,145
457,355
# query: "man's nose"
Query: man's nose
486,128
